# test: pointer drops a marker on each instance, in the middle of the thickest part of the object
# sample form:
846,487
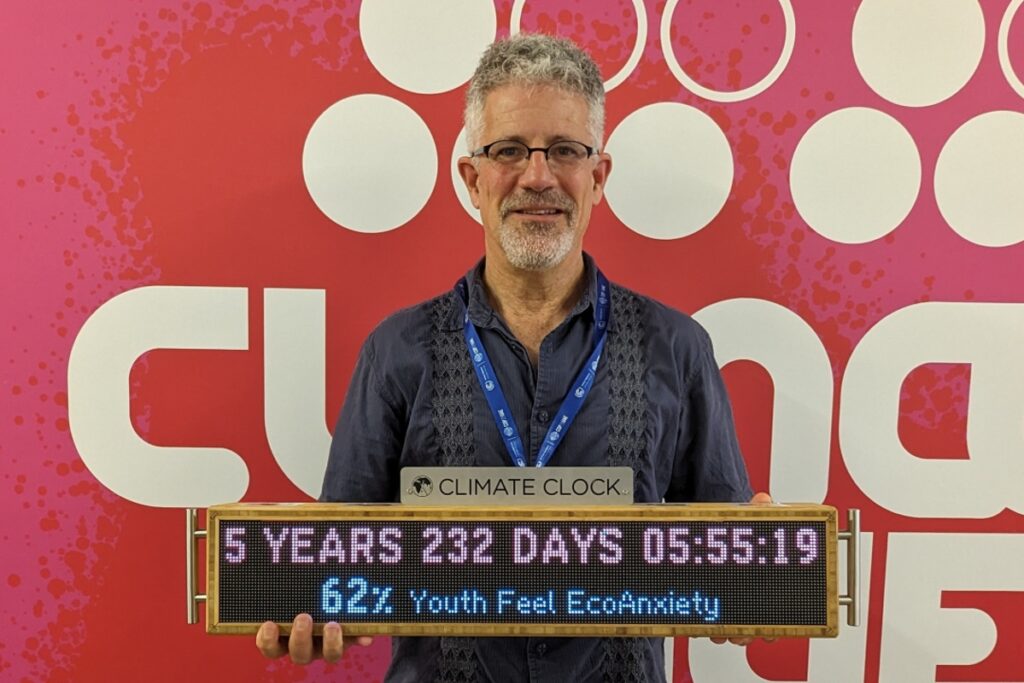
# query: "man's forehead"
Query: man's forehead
544,108
526,92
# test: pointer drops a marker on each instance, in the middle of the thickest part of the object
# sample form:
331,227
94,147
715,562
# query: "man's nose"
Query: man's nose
537,175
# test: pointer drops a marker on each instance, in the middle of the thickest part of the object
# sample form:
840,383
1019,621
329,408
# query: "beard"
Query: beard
537,245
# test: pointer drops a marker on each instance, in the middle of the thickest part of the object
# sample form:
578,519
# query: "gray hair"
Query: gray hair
535,59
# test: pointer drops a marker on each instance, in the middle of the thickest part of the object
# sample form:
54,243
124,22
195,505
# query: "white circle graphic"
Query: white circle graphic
855,175
426,47
459,150
673,170
369,163
634,57
1004,48
977,179
720,95
916,53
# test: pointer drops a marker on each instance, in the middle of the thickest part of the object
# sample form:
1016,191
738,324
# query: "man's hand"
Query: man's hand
301,646
758,499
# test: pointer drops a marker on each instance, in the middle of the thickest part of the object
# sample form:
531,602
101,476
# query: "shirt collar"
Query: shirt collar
481,314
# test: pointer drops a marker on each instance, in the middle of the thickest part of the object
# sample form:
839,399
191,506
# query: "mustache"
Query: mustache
528,199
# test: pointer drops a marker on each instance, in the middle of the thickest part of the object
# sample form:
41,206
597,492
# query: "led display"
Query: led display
425,572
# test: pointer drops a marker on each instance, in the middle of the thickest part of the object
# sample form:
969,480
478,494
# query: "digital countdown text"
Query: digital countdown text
564,572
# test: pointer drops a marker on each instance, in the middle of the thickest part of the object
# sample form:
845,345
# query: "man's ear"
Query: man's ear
470,175
600,174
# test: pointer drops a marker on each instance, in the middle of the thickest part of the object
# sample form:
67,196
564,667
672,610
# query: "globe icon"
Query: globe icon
421,486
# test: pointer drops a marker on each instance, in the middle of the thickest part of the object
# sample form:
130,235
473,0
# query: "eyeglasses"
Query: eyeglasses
565,155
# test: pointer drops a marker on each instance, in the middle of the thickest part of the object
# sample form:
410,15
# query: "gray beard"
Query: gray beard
536,246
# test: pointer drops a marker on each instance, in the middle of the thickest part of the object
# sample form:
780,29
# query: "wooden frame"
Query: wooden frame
697,512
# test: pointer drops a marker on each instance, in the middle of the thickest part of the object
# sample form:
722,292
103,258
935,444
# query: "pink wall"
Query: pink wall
158,143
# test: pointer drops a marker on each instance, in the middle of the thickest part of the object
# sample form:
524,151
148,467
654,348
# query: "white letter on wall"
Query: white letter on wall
783,344
988,336
295,397
916,634
106,348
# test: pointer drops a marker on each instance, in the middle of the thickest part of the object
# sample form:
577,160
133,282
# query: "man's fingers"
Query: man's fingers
742,642
761,498
300,642
334,643
268,640
361,641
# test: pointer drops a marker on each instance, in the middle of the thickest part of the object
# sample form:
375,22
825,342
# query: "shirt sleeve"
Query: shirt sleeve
709,466
363,465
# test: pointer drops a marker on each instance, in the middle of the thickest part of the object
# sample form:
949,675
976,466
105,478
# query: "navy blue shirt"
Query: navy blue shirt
386,424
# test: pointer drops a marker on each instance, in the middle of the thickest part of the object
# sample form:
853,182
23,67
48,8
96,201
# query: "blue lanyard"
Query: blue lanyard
496,397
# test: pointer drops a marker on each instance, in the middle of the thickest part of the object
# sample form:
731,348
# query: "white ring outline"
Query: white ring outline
1004,47
719,95
634,57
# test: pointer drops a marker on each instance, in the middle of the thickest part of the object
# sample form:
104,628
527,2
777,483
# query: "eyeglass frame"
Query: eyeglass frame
482,151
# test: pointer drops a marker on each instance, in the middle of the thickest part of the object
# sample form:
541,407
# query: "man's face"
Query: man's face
535,213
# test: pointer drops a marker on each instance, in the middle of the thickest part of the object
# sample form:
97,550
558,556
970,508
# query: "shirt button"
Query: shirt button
541,649
542,416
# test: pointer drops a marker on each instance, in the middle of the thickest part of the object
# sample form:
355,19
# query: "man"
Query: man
543,314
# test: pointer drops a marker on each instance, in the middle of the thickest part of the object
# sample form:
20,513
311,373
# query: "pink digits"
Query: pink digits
654,545
233,543
678,545
458,537
672,544
780,547
457,545
430,554
718,547
807,544
742,545
484,537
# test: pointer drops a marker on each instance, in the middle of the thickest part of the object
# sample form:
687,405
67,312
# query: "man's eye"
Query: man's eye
509,152
566,152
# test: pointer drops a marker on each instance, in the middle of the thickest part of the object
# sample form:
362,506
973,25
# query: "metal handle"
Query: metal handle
852,537
192,536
